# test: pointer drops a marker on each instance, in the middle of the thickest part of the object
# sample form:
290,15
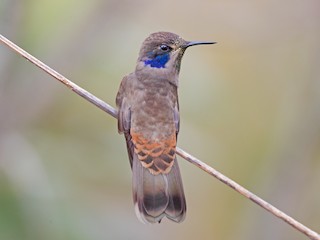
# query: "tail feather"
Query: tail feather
176,209
156,196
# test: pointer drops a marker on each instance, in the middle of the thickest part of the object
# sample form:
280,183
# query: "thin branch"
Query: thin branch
113,112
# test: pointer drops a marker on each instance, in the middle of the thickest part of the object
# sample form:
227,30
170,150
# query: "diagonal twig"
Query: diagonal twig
208,169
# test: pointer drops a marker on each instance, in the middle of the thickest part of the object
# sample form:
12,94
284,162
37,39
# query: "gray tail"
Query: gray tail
156,196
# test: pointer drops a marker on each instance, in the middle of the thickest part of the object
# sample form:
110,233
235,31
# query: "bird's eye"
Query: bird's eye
164,48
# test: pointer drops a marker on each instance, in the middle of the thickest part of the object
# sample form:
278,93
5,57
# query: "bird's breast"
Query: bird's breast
152,111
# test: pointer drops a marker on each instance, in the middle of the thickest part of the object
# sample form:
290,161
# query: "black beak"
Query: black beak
193,43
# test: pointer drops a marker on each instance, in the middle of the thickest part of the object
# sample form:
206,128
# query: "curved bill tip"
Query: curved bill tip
193,43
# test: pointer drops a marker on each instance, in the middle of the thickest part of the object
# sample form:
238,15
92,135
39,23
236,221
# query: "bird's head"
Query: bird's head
160,55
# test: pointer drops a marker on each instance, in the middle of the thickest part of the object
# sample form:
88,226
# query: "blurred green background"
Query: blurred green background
250,107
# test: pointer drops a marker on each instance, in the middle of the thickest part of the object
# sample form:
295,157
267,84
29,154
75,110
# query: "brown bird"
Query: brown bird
149,118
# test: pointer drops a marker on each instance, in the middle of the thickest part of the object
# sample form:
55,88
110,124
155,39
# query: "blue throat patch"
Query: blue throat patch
159,61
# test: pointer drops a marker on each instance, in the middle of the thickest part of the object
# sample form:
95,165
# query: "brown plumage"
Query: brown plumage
149,118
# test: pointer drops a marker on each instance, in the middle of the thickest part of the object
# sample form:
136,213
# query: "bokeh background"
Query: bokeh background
250,107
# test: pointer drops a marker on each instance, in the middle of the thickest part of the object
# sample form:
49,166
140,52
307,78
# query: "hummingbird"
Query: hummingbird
148,116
